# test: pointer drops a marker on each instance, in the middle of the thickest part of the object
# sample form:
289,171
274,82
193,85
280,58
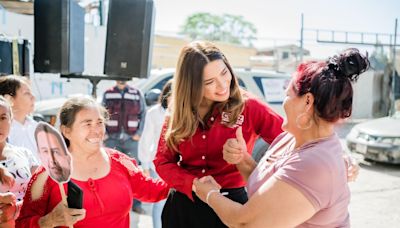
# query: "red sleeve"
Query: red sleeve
266,122
144,188
166,163
32,211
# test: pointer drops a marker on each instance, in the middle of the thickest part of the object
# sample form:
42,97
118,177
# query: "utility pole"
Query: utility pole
394,70
100,9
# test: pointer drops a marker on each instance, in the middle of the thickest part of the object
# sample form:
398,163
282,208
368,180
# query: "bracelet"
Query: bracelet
209,194
17,210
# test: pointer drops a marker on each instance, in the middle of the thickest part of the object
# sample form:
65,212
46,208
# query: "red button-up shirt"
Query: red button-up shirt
201,155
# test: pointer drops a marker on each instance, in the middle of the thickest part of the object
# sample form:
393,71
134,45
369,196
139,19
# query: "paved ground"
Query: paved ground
375,195
142,221
375,198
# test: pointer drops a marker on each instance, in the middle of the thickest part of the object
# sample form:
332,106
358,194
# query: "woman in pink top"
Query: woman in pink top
302,180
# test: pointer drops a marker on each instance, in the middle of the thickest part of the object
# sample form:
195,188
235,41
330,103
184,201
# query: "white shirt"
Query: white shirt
23,135
18,162
148,142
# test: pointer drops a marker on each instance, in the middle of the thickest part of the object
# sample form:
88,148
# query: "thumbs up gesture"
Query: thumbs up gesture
235,149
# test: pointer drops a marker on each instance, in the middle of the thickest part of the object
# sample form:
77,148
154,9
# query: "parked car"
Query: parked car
47,110
377,139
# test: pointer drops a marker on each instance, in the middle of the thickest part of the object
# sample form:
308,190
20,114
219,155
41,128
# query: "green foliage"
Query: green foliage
226,28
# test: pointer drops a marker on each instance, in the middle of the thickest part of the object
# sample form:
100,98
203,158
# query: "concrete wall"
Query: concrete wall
365,95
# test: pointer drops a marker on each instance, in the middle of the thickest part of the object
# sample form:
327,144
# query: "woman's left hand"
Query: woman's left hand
6,177
7,212
8,207
353,168
205,185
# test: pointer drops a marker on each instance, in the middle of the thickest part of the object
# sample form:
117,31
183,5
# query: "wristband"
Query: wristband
209,194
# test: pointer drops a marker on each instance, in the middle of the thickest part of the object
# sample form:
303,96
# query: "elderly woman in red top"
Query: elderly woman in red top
108,178
207,108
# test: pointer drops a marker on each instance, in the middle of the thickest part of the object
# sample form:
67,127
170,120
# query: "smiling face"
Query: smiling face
291,110
53,156
87,132
217,80
298,109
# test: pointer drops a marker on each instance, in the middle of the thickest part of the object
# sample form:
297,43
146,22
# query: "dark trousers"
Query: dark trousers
181,212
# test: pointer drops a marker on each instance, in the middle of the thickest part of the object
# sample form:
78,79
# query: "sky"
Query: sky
279,22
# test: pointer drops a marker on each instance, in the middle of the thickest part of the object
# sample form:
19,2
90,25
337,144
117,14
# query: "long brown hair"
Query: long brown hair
187,92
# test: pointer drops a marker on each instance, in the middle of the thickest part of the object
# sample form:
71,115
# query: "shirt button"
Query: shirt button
203,171
204,136
212,118
203,157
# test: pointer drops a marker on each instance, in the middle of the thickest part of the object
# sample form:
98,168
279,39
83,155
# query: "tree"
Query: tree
226,28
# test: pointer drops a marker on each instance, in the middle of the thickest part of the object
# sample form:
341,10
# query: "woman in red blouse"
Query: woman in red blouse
108,178
207,108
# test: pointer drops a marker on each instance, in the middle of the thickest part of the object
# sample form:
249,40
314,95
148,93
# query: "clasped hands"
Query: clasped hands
234,151
8,209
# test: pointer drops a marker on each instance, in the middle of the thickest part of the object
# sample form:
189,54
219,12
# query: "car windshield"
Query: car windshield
139,83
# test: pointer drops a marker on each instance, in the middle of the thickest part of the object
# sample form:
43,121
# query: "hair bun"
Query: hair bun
352,63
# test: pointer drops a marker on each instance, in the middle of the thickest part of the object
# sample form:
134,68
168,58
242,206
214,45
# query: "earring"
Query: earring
308,121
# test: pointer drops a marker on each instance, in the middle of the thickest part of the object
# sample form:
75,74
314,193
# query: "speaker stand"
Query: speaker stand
94,79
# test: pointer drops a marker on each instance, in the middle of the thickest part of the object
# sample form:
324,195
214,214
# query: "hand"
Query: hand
204,185
7,212
136,137
235,149
8,208
7,198
6,177
9,224
61,215
146,172
353,168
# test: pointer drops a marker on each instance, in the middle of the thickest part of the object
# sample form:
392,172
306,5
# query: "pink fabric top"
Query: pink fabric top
316,169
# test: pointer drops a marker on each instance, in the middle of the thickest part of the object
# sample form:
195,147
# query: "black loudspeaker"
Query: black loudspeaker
59,36
24,57
129,38
6,57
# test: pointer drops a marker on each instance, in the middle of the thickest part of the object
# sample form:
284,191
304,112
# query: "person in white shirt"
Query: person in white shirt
18,161
17,91
149,141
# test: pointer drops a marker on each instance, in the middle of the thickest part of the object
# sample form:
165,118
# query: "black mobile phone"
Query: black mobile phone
75,196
